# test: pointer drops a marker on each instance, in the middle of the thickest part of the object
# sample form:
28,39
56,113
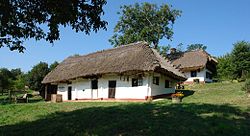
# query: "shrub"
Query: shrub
178,94
246,86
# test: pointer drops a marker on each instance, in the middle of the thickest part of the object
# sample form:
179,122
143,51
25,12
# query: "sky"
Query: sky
218,24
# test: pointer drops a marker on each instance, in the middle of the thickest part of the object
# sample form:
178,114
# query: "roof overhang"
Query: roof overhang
186,69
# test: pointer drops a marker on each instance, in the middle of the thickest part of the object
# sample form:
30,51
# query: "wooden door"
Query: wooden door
112,86
69,93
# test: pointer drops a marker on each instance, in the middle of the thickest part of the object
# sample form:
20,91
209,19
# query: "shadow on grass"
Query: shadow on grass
4,99
140,119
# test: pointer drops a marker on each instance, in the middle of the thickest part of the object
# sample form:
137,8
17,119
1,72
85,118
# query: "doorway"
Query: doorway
112,86
69,93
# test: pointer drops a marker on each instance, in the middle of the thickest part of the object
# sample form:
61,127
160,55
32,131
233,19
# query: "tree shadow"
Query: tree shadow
3,99
140,119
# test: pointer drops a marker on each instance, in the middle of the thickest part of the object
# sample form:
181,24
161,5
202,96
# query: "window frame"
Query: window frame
94,84
167,84
193,73
156,80
137,82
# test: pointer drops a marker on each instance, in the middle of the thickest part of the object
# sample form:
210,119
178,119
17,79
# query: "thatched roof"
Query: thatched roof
132,57
191,60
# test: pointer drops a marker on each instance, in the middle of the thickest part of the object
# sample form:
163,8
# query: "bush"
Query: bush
246,86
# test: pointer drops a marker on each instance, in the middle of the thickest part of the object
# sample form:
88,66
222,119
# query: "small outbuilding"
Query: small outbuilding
197,65
129,72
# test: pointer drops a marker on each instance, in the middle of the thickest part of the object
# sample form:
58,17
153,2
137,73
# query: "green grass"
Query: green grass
219,93
212,109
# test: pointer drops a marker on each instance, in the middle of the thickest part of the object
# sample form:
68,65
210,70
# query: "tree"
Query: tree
16,72
163,50
6,78
179,48
144,22
246,86
53,65
235,65
40,19
241,58
192,47
224,67
20,82
36,75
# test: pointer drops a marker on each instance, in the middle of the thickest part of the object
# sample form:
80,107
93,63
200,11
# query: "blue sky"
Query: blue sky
216,23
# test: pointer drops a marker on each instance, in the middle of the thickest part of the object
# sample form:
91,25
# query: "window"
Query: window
140,81
94,84
156,80
167,84
137,82
193,73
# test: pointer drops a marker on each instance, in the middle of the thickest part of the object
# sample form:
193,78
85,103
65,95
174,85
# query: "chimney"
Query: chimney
172,50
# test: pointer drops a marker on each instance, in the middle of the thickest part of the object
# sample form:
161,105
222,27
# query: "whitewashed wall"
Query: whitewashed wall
200,75
63,90
160,89
81,88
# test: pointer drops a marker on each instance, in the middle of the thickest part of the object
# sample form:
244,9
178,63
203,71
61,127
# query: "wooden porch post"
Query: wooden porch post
46,92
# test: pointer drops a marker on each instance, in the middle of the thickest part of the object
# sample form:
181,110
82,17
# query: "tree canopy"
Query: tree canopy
192,47
36,75
241,58
5,79
235,65
11,79
15,79
224,67
53,65
163,50
40,19
144,22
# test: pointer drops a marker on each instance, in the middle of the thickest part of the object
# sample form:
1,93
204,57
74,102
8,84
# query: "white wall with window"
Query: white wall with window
162,84
126,87
62,89
203,75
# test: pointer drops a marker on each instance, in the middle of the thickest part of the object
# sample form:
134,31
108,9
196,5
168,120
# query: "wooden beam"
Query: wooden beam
46,92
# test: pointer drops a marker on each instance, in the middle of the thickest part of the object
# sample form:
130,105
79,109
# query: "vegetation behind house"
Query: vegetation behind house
16,80
236,64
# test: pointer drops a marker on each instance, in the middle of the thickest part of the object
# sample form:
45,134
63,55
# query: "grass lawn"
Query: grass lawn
212,109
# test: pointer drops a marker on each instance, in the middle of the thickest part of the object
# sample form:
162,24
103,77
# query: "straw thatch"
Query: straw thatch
133,57
192,60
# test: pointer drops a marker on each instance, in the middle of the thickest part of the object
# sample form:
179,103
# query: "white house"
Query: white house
134,71
198,65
